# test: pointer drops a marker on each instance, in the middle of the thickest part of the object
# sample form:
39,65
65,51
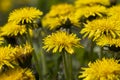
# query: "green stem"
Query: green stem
42,57
91,49
43,63
70,66
67,63
34,56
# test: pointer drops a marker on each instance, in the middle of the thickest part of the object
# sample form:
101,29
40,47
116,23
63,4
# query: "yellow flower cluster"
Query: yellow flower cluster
58,15
105,31
90,9
17,74
17,20
8,54
61,40
98,20
105,69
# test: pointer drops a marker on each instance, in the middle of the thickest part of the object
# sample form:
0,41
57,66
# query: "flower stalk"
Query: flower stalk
34,55
43,62
67,63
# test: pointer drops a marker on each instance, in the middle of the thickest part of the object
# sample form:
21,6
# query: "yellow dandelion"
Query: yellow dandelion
61,40
60,10
104,41
108,41
24,50
17,74
6,56
105,69
51,23
24,15
99,27
90,11
11,29
82,3
58,15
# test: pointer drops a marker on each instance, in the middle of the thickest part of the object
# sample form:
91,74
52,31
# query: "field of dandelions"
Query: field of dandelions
59,40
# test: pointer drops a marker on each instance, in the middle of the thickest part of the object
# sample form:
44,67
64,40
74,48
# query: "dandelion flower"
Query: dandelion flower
61,40
81,3
23,55
100,27
18,74
11,29
58,15
24,50
104,40
24,15
6,56
90,11
107,40
56,10
105,69
52,23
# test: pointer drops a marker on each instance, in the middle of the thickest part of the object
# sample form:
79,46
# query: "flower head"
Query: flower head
58,15
100,27
108,41
61,40
6,56
24,15
90,11
105,69
104,40
11,29
18,74
60,10
24,50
